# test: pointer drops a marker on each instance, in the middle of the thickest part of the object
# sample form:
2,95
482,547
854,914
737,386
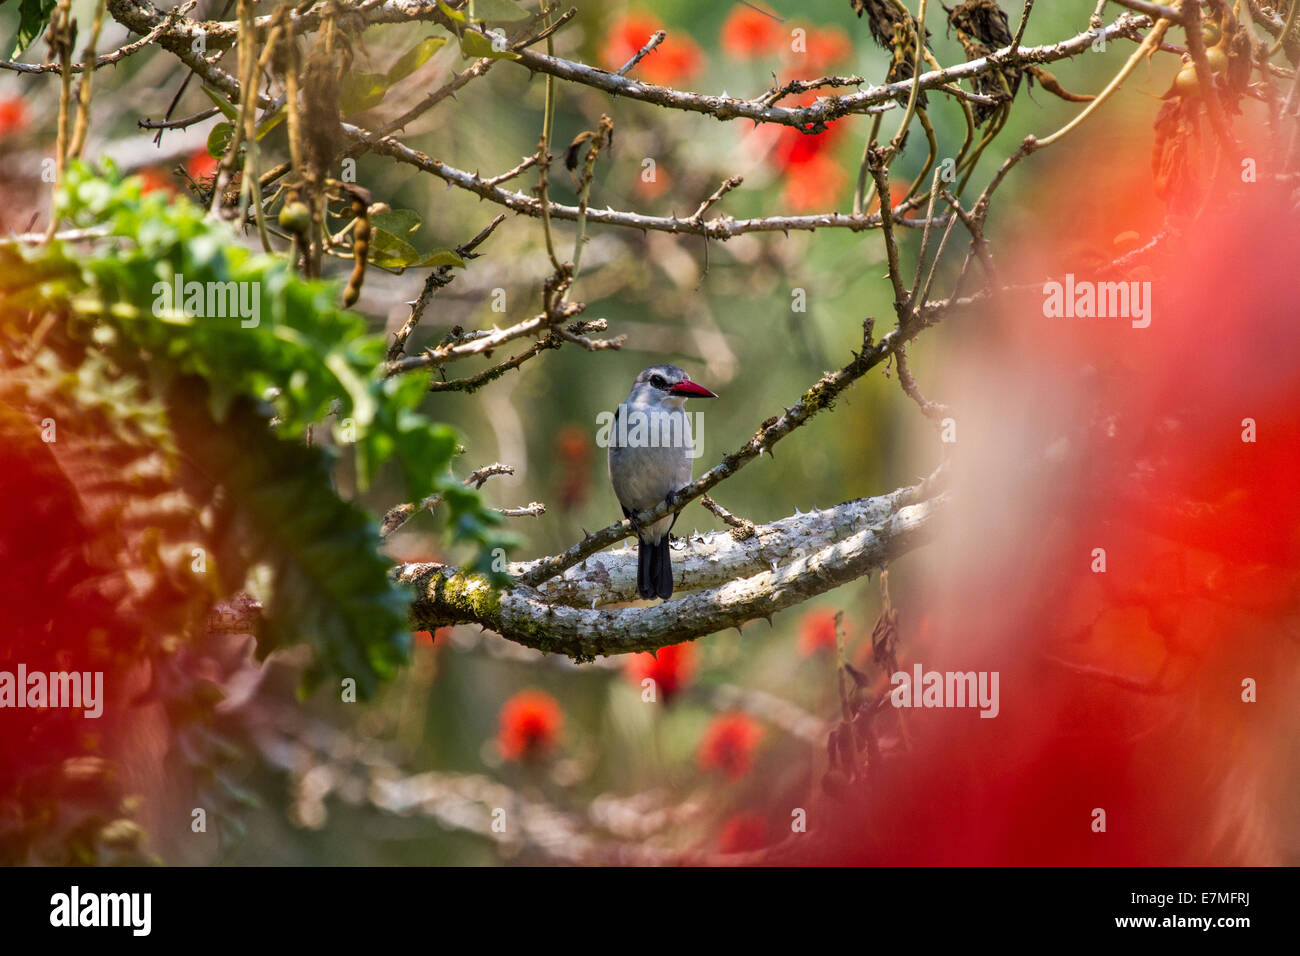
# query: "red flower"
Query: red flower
155,180
817,632
677,58
748,33
670,669
200,165
814,185
13,114
897,193
573,452
743,833
823,49
530,723
729,745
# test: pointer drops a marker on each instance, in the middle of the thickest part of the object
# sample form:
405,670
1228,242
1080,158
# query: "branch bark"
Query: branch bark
822,550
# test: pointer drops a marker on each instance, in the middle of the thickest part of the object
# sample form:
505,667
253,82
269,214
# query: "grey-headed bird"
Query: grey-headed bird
650,454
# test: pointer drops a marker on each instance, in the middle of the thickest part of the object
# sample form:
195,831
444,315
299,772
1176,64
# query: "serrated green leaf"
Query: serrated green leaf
325,583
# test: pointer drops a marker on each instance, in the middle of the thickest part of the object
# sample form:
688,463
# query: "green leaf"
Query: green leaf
452,14
414,58
390,252
219,139
399,222
269,123
330,587
228,109
474,45
442,257
325,582
495,11
362,91
33,15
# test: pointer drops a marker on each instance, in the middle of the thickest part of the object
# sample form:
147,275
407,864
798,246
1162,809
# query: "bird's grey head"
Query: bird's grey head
665,385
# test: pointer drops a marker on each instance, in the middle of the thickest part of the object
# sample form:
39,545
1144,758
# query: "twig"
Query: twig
438,278
656,38
742,528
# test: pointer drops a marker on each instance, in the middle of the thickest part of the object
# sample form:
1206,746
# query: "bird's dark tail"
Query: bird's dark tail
654,570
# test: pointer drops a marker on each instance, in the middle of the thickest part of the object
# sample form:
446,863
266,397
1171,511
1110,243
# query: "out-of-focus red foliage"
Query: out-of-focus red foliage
743,833
671,668
1120,691
729,745
530,724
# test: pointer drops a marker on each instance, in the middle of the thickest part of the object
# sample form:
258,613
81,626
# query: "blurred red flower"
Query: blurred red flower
653,187
670,669
677,58
823,48
573,454
813,178
795,148
729,744
897,193
13,114
156,180
748,33
200,165
437,639
743,833
814,185
530,724
816,632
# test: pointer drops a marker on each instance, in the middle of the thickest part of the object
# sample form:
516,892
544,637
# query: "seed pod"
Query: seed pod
360,251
